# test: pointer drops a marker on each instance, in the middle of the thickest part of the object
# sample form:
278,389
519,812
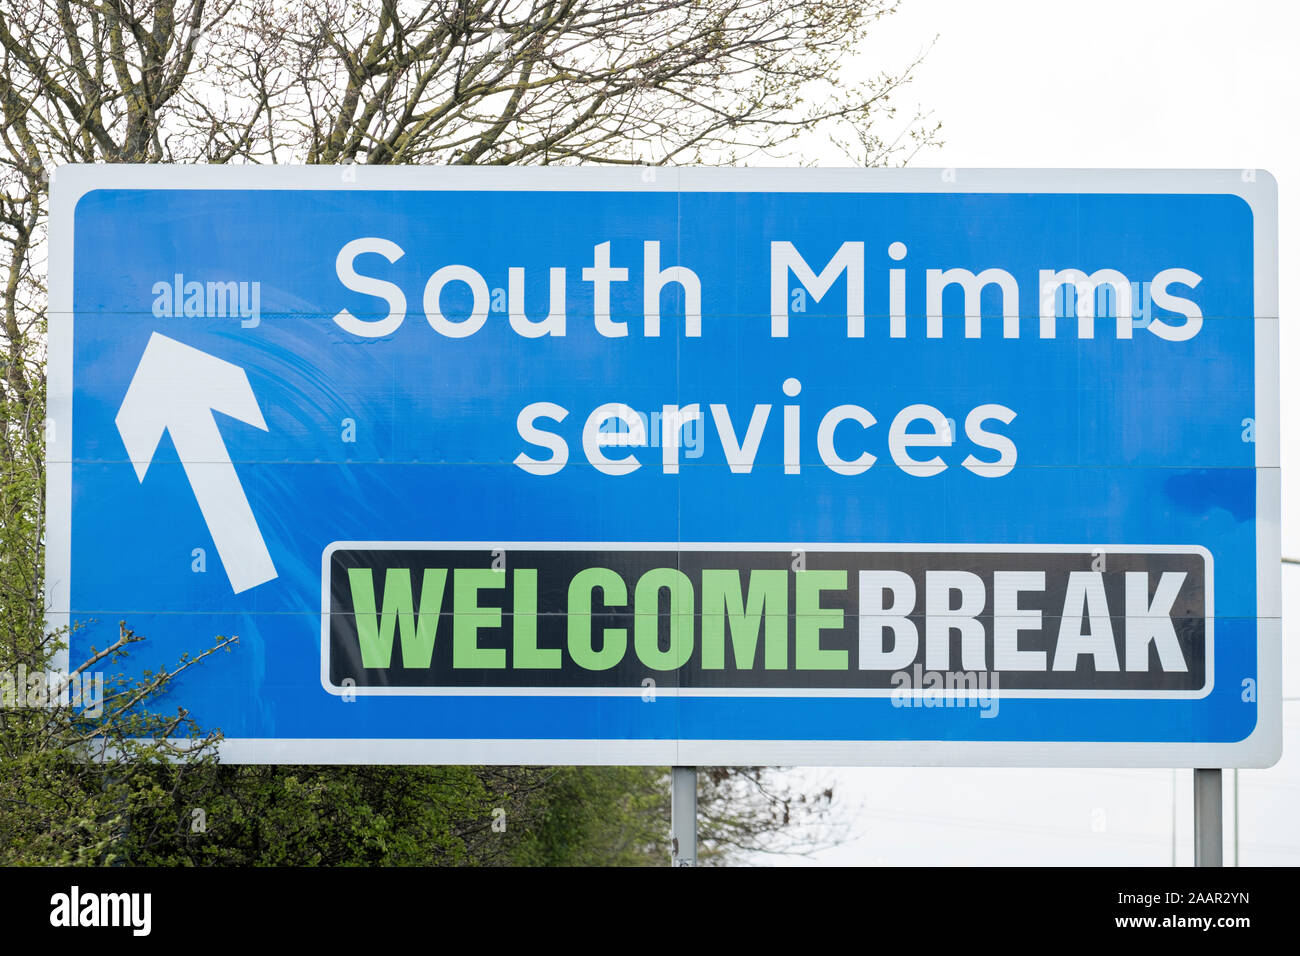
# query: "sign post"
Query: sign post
685,824
709,467
1208,786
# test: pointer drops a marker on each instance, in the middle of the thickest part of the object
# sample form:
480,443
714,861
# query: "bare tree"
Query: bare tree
432,82
383,82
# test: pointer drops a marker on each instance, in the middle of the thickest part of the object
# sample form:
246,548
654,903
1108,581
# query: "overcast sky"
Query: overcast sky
1155,83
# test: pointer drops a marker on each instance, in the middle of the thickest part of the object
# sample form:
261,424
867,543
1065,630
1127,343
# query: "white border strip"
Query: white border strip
1256,187
778,753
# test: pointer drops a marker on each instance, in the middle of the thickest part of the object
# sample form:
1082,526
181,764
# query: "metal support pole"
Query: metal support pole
1236,821
1208,789
683,819
1173,821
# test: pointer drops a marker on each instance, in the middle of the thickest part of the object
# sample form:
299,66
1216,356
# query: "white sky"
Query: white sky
1133,83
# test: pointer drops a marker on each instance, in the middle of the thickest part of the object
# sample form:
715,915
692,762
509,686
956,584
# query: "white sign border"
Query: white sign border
1256,187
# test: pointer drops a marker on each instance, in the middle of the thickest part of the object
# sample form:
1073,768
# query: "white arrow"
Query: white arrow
177,388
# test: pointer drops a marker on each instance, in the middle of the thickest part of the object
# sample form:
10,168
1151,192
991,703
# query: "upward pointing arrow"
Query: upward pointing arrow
177,388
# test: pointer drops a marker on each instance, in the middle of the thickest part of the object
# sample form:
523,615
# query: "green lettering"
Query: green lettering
811,619
375,635
681,619
526,652
470,617
723,606
613,639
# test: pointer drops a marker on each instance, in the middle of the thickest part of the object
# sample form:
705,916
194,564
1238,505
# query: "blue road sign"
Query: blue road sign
694,466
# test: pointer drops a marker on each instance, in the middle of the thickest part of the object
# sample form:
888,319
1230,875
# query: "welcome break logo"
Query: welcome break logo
723,619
